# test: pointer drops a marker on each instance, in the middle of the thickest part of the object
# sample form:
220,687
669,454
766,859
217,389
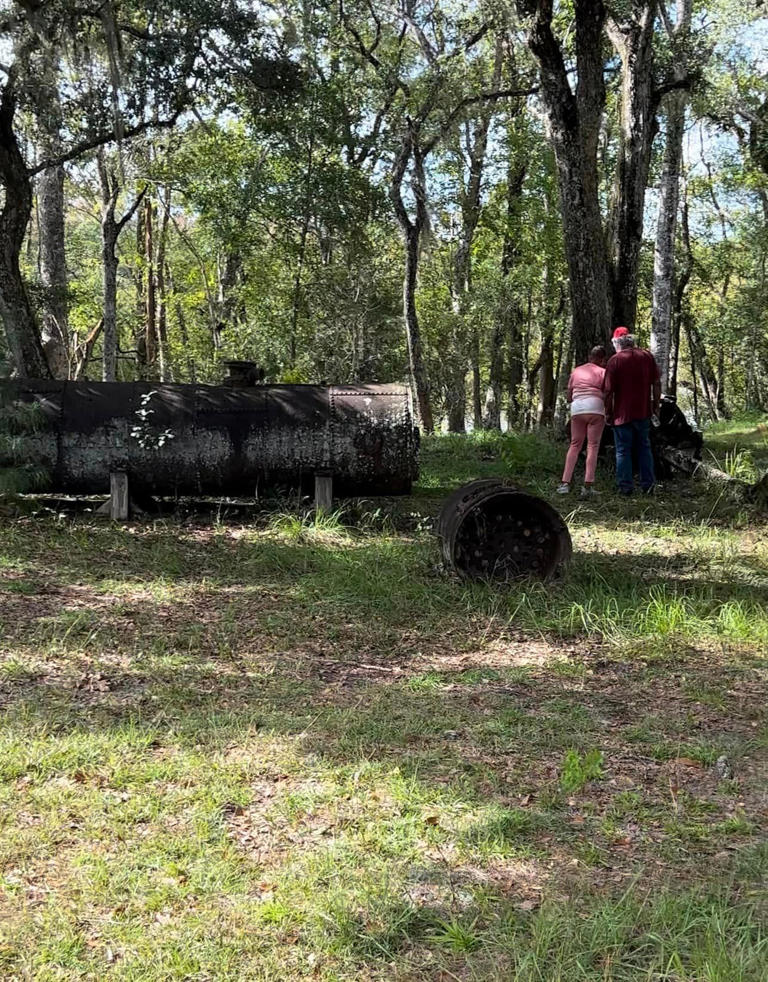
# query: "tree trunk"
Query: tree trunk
413,330
456,394
150,314
496,378
634,45
547,388
109,272
141,296
477,394
665,329
574,123
21,329
664,253
563,374
52,243
166,373
109,264
53,270
411,232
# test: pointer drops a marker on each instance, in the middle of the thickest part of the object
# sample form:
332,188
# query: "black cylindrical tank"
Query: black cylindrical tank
491,530
200,439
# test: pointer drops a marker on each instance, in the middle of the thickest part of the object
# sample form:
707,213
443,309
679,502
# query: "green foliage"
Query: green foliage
18,473
578,769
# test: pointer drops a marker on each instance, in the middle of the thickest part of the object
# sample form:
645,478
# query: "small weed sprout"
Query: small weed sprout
577,770
142,432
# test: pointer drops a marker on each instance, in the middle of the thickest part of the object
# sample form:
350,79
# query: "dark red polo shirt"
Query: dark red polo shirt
630,374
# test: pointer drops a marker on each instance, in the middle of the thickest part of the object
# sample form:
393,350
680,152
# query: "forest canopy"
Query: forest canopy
464,195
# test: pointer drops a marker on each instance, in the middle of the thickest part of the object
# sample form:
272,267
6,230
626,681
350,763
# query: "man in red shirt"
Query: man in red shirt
632,388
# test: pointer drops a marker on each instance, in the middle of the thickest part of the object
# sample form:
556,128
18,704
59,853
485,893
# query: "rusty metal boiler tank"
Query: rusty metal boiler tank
234,439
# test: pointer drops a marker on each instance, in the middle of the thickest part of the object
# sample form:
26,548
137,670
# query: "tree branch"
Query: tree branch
471,101
100,140
132,210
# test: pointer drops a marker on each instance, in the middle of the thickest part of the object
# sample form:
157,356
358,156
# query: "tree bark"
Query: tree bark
52,240
492,419
150,311
664,253
411,230
21,328
166,372
633,42
574,123
53,270
665,329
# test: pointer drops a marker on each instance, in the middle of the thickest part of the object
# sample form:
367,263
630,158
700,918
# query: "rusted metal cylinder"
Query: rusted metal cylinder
494,531
221,440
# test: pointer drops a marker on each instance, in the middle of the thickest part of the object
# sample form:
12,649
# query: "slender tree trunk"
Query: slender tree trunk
52,240
413,330
109,269
411,232
166,373
21,328
565,368
181,320
141,295
634,45
665,329
477,392
109,264
510,316
456,394
53,270
150,313
664,253
547,389
496,378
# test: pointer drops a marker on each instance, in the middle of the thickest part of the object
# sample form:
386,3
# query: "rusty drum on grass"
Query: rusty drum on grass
492,530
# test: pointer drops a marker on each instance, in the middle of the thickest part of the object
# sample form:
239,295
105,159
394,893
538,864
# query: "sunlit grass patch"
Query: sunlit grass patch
298,749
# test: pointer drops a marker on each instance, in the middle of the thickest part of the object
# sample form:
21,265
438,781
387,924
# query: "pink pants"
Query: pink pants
589,425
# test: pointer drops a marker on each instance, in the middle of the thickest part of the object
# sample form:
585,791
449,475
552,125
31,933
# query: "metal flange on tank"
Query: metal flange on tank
494,531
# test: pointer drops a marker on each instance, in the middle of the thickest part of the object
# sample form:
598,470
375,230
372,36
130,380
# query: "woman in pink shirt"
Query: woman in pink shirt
585,395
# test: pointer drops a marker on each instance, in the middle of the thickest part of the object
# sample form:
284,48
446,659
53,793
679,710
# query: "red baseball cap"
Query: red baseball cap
621,332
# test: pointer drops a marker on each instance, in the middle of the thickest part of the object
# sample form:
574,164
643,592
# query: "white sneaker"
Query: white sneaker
564,488
589,492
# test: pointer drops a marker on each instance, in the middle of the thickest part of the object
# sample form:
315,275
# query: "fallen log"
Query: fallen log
682,460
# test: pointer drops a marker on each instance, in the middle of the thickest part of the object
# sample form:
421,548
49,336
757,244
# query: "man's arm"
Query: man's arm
608,394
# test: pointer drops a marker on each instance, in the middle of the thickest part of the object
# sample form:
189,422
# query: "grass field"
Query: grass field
287,748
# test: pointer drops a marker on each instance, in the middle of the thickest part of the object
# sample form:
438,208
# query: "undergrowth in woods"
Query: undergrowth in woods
283,748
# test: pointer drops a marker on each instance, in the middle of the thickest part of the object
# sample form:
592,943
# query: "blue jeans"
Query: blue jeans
625,437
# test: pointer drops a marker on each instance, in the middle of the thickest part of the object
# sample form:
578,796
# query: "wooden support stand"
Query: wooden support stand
323,490
120,505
